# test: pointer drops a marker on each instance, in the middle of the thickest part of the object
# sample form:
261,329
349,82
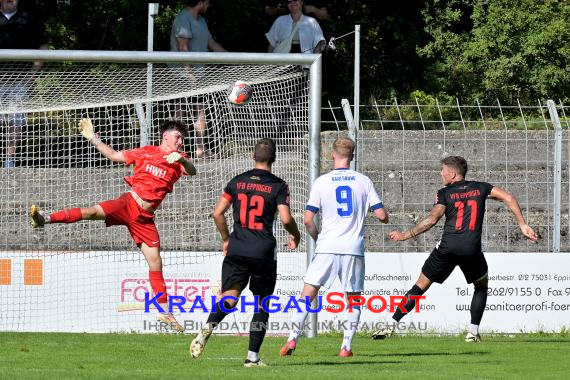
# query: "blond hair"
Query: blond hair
344,147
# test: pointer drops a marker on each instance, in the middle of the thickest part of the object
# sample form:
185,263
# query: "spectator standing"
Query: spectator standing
18,30
295,32
190,33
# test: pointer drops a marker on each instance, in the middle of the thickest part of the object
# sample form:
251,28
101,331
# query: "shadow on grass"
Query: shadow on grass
345,362
351,361
532,340
430,353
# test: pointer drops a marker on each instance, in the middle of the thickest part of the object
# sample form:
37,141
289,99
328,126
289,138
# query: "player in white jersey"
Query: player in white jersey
343,196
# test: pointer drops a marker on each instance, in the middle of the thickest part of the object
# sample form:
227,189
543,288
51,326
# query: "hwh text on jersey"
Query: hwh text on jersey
157,172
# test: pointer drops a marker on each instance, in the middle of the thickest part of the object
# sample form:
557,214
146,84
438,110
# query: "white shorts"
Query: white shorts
325,267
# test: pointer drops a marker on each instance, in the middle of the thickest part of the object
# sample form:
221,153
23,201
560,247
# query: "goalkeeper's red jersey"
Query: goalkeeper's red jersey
153,177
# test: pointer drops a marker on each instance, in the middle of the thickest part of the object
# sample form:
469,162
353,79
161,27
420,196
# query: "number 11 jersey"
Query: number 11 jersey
464,203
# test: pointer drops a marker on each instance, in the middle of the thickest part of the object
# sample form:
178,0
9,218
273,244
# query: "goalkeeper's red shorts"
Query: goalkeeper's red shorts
125,211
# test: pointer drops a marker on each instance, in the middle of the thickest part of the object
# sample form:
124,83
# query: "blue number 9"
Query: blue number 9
344,198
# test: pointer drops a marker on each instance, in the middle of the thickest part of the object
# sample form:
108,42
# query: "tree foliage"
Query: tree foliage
470,49
508,50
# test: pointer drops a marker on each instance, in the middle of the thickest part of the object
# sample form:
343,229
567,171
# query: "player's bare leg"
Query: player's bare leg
200,128
93,213
154,261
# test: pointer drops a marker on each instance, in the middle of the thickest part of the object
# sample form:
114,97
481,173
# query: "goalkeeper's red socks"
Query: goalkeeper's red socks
158,286
71,215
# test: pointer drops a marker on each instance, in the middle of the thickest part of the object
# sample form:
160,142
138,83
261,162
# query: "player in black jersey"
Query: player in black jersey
463,203
256,196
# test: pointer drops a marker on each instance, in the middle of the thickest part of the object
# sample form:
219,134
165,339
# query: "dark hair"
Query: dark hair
192,3
457,163
265,151
173,125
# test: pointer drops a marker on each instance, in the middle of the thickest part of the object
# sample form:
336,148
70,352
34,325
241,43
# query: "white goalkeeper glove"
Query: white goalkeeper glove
86,129
173,157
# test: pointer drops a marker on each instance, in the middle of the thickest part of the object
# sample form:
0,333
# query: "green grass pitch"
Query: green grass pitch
162,356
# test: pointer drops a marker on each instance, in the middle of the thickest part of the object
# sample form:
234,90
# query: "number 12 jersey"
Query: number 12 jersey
255,196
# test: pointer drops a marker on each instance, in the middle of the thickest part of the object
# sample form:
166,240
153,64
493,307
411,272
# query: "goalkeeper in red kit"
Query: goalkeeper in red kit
156,170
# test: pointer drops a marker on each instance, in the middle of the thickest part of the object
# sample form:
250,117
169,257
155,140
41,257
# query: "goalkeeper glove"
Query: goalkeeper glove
173,157
86,129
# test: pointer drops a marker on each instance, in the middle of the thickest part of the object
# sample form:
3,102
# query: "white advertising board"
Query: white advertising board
82,292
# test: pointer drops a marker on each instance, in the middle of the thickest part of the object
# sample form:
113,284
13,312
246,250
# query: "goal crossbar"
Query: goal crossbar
158,57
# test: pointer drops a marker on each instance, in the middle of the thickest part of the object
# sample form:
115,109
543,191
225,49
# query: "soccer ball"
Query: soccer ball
240,93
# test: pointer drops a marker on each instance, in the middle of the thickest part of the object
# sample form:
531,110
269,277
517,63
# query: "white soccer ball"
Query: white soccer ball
240,93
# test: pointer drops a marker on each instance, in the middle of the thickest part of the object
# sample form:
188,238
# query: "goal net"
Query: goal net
74,277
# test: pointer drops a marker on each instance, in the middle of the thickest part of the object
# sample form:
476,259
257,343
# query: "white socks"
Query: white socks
298,320
253,356
352,319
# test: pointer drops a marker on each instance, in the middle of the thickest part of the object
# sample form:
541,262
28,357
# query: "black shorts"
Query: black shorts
261,274
439,266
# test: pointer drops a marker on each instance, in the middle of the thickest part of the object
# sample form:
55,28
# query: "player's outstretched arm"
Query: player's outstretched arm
220,220
431,220
86,129
513,205
177,157
290,225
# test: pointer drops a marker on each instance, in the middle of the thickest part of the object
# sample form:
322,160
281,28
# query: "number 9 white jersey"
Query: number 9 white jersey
343,196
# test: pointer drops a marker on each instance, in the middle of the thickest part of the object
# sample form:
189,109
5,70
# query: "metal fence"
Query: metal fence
518,148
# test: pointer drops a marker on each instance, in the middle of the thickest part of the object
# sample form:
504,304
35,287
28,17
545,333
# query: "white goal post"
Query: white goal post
81,269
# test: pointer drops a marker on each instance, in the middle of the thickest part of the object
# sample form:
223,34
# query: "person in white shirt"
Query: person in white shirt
343,196
295,32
